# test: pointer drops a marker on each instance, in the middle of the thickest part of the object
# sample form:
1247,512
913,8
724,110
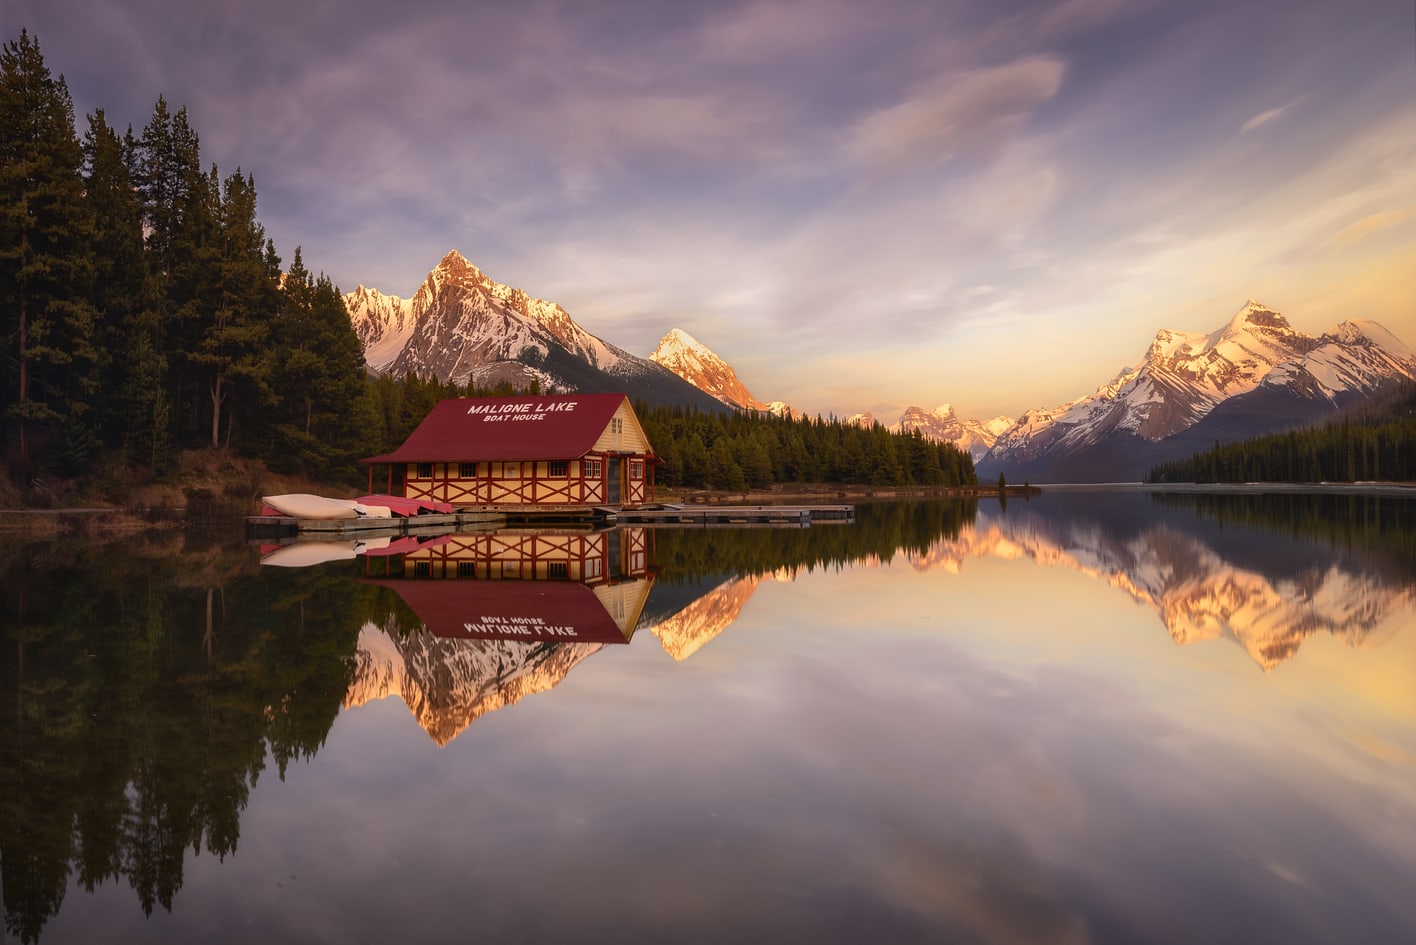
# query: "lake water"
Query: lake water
1088,717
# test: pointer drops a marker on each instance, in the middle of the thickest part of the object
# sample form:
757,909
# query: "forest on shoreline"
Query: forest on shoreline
145,314
1373,442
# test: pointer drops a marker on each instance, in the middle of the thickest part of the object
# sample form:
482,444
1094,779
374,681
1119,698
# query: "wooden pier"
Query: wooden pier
799,516
277,525
781,516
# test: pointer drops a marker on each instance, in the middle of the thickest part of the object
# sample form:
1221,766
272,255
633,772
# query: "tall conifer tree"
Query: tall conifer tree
46,260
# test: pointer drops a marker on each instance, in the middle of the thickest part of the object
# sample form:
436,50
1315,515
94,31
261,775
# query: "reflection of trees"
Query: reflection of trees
1379,529
880,531
142,696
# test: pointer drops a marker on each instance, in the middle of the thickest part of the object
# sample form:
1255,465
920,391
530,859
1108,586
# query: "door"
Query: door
614,485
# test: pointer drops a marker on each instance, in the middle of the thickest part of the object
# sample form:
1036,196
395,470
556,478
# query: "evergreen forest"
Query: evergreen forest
1374,442
144,312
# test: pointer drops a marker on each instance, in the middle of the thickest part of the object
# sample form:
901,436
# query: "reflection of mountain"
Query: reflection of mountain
493,617
449,683
683,633
1204,581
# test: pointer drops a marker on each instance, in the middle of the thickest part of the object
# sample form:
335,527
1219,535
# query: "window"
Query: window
617,425
466,569
593,567
425,470
636,469
467,470
591,468
558,469
422,569
558,569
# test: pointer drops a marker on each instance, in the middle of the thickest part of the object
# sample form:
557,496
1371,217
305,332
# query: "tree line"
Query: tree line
1373,442
143,309
738,451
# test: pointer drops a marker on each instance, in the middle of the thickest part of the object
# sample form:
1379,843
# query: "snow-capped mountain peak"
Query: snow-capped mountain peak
693,361
943,425
1185,376
463,326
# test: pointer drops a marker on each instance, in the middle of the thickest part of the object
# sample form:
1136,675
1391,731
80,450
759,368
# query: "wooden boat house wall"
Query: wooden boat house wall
523,453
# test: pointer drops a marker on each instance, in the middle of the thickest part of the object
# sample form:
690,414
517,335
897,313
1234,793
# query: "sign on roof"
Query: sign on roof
495,413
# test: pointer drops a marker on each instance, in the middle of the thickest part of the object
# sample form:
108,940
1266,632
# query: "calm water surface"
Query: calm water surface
1089,717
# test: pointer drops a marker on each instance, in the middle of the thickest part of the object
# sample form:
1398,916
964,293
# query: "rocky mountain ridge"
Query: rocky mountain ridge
462,326
1253,375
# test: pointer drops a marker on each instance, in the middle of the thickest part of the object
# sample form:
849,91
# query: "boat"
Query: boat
306,505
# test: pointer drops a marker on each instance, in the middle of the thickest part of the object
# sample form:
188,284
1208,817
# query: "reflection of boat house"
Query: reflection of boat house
526,453
534,586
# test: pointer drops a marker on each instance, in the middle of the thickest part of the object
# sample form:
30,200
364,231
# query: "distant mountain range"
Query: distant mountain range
1255,374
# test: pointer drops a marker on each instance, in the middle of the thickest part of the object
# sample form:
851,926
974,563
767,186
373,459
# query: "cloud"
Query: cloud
965,112
1358,230
1264,118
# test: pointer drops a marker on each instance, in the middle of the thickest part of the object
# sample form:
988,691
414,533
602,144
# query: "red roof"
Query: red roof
560,426
529,611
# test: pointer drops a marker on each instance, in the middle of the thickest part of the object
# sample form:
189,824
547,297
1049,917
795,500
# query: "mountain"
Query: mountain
1255,374
692,360
944,426
695,362
461,325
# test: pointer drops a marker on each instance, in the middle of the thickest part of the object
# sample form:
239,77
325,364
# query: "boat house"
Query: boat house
566,451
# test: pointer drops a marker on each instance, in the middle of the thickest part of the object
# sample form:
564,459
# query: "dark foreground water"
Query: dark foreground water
1083,718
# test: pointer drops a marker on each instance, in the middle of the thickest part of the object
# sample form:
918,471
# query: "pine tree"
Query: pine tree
46,258
133,414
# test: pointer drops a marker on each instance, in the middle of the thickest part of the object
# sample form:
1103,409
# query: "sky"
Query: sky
859,204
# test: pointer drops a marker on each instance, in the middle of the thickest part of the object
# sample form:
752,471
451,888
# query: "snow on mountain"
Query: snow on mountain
462,326
384,323
866,419
1184,376
942,425
693,361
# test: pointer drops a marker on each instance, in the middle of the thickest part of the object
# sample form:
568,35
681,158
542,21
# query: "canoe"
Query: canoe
303,554
305,505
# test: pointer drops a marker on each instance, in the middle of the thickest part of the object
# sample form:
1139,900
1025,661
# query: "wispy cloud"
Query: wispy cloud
969,111
1264,118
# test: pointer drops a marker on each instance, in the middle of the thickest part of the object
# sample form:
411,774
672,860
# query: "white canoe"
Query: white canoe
303,554
306,505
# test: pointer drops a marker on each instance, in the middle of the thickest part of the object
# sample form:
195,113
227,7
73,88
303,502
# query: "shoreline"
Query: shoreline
125,519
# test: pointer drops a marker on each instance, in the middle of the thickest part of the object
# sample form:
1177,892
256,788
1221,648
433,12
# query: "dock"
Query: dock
276,525
658,515
800,516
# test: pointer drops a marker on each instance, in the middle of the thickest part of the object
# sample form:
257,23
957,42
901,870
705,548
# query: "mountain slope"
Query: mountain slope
693,361
462,326
1255,374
